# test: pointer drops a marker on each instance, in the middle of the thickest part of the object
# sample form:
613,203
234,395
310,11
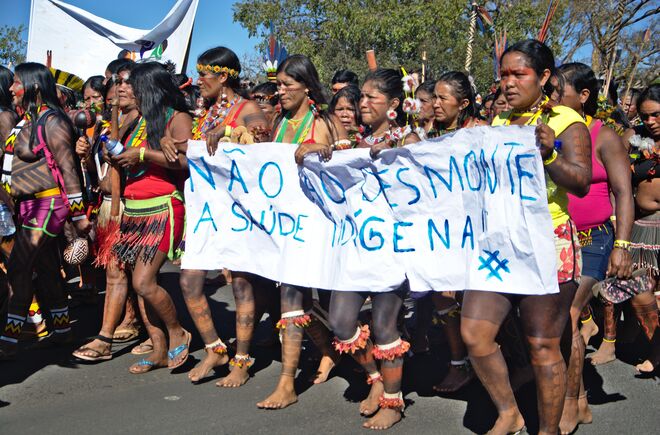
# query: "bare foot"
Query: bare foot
204,368
588,330
604,354
569,416
283,396
457,378
510,423
584,412
236,378
371,404
385,418
325,367
645,367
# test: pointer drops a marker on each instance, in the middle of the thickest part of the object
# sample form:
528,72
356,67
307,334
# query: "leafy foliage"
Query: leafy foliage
12,45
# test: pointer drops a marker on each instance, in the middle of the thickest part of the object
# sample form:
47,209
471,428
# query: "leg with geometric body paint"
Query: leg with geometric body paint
294,319
192,288
28,246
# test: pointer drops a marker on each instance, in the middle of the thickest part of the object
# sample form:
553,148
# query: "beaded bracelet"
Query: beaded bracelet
622,244
342,144
142,151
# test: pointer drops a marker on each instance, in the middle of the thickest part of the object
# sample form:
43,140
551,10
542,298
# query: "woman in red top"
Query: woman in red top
152,223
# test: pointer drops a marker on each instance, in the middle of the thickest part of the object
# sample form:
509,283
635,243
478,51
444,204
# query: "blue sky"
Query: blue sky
213,23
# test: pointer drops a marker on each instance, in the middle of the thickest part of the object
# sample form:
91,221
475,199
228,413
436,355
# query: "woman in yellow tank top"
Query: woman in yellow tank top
564,145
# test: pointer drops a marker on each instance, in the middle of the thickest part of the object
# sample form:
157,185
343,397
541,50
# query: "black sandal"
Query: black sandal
78,353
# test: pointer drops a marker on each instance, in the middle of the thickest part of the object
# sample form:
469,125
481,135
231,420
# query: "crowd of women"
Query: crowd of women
118,180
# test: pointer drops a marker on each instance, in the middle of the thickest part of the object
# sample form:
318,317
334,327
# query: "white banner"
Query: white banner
467,211
83,44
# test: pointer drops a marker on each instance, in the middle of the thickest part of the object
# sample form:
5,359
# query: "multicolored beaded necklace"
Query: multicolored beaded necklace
213,117
301,126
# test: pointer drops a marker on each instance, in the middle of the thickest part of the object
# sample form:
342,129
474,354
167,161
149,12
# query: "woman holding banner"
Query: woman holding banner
153,218
302,122
526,68
219,70
380,107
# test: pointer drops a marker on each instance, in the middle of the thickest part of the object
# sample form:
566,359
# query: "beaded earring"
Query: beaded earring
391,114
312,107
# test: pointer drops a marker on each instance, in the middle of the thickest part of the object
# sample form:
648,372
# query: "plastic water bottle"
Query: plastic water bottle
7,227
113,146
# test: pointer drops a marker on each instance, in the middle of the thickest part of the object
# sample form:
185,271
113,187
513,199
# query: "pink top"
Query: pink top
596,208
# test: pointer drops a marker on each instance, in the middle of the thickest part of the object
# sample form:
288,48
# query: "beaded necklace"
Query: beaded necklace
535,112
394,135
213,117
301,130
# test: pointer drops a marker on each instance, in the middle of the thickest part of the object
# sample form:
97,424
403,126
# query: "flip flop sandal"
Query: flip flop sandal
142,348
78,353
176,352
124,335
143,363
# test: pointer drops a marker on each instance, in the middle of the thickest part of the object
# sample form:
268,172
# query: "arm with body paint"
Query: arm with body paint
572,168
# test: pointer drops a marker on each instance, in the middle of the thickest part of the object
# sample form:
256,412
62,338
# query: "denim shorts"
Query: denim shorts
597,244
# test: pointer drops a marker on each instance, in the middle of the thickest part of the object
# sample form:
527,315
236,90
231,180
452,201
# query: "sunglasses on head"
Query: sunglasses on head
646,116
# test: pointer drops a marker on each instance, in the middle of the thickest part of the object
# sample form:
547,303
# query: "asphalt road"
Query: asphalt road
46,392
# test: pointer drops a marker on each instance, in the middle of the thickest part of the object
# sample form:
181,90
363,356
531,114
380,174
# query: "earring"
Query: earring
391,114
312,107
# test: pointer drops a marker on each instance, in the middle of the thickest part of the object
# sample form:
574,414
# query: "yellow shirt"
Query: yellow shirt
560,118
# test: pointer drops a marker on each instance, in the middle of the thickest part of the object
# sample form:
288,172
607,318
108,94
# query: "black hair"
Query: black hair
302,70
38,81
269,89
620,117
427,86
388,82
352,94
651,93
346,76
223,57
187,89
581,77
155,92
118,64
487,98
96,83
461,89
634,94
6,80
539,57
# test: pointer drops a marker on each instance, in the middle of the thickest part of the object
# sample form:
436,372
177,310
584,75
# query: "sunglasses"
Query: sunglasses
646,116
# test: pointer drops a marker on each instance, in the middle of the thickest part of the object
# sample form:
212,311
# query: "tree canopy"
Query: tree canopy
336,34
12,45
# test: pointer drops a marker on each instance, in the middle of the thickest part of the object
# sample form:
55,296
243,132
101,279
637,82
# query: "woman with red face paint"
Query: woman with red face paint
219,70
305,123
380,107
526,68
39,169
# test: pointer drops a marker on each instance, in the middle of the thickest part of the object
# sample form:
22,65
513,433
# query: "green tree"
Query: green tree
336,34
12,45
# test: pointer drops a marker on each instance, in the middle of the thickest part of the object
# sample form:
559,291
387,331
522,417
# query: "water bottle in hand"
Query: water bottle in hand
7,227
113,146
